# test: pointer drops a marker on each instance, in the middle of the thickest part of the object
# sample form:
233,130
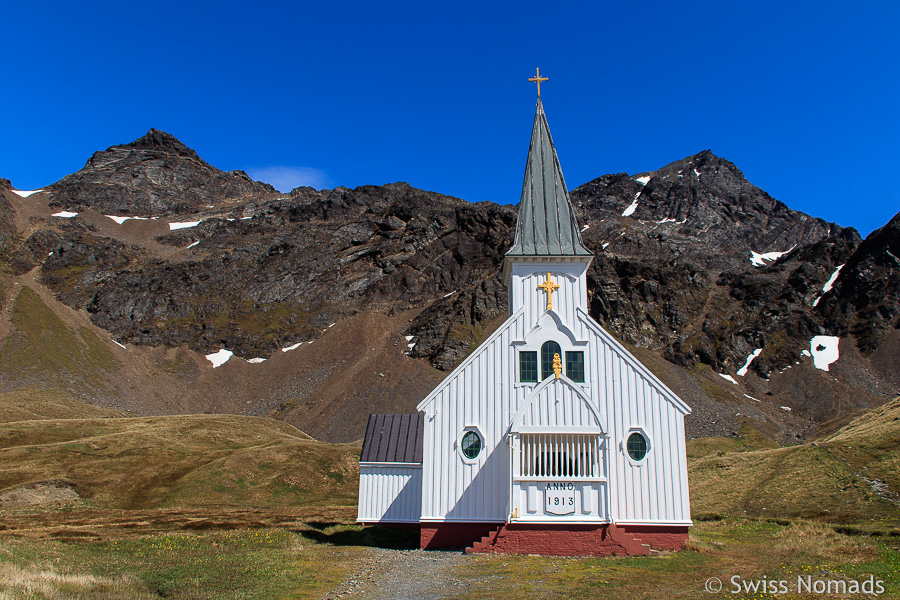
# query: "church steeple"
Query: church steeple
546,225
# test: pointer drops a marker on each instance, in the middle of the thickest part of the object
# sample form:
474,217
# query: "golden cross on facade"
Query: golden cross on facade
549,286
538,79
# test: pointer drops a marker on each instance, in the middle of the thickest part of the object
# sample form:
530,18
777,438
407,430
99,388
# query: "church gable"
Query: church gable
558,405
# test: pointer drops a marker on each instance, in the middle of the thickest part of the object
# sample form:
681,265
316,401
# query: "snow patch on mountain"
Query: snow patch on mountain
25,194
743,370
828,284
219,358
121,220
759,260
631,208
824,350
184,225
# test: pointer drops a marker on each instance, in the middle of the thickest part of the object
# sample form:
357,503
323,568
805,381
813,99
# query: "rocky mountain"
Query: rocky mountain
155,175
702,198
7,226
270,274
864,300
695,268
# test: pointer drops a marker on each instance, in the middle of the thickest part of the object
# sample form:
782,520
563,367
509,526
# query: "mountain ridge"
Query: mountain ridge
155,175
685,275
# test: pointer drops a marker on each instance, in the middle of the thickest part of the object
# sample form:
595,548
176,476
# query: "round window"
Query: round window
471,444
636,446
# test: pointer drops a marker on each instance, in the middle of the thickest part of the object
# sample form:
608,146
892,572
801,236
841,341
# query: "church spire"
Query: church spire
546,225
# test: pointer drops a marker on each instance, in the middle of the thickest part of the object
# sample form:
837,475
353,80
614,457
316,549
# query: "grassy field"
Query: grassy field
751,550
211,506
247,563
849,477
308,562
184,461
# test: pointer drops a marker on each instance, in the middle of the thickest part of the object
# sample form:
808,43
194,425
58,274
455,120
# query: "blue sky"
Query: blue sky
802,96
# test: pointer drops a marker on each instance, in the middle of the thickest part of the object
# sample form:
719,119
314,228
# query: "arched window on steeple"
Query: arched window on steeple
548,350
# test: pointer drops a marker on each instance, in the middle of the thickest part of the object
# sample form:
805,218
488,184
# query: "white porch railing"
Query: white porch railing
559,477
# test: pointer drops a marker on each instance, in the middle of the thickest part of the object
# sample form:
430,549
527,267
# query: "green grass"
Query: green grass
43,347
308,560
831,479
750,549
243,564
182,461
37,403
761,514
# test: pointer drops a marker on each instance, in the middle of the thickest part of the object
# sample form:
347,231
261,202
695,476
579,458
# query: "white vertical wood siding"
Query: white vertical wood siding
389,494
479,393
572,292
557,406
654,490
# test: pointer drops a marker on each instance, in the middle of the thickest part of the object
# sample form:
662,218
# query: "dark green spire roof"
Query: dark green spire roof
546,224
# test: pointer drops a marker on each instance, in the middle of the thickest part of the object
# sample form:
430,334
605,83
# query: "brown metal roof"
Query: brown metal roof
393,438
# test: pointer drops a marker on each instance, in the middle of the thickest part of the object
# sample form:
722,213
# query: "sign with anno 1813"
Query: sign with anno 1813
559,498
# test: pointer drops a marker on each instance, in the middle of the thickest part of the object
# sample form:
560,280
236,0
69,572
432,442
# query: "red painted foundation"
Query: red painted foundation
553,539
660,537
434,536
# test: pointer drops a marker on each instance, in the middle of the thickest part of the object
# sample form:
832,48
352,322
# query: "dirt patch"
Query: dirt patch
404,575
55,492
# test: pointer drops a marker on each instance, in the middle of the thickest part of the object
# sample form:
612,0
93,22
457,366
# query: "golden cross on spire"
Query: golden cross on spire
538,79
549,286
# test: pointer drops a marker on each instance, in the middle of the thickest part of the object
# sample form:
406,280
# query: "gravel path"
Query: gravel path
403,575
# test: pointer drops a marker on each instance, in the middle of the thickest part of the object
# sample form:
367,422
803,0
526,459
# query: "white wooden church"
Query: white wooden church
550,438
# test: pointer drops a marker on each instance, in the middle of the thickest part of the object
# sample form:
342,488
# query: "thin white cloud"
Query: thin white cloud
284,179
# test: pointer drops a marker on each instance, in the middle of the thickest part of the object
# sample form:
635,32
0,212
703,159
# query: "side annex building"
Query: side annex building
550,438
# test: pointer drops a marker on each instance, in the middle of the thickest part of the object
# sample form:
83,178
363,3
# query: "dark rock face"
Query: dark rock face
450,328
674,276
155,175
703,206
865,300
293,267
7,224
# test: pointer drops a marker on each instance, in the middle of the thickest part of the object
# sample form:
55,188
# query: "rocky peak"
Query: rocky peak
161,141
155,175
701,197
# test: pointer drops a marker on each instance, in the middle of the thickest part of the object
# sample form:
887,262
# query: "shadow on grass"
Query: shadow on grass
374,536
